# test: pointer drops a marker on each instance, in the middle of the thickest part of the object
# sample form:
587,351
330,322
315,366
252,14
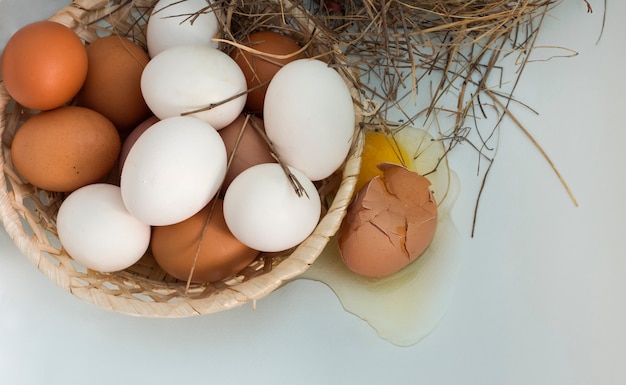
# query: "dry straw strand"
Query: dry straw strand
405,43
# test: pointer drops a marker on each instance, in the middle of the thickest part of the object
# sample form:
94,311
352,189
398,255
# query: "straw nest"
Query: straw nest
398,44
448,66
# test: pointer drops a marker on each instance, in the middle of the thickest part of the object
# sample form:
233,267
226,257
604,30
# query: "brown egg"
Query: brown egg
113,83
259,68
249,146
44,65
389,224
65,148
132,138
220,255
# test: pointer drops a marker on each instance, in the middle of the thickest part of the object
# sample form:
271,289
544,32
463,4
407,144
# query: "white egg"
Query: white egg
98,232
309,116
187,78
175,22
263,211
173,170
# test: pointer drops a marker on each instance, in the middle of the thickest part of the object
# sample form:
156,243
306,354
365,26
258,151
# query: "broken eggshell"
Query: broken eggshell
422,291
389,224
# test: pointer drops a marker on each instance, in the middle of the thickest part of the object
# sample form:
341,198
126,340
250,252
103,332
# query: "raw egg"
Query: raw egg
173,170
212,253
174,22
65,148
113,83
389,224
98,232
44,65
262,209
196,80
378,147
309,117
245,146
421,291
269,51
130,140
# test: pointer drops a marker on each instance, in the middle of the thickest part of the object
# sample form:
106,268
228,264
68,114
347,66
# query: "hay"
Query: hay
434,58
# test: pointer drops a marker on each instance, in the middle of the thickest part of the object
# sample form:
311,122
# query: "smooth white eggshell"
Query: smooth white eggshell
175,22
309,116
98,232
190,77
173,170
264,212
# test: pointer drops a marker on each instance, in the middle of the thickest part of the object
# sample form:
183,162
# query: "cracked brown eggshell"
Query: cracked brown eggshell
389,224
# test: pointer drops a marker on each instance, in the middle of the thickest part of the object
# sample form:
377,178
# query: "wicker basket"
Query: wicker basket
29,213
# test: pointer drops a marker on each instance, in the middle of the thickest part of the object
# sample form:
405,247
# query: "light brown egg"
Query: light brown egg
44,65
65,148
220,254
259,68
389,224
132,137
248,145
113,83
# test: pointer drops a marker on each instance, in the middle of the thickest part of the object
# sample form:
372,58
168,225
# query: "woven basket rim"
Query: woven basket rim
251,290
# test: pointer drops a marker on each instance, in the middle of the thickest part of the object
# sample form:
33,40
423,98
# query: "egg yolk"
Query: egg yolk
379,147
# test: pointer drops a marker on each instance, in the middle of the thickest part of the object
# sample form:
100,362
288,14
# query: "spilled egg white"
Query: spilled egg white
421,291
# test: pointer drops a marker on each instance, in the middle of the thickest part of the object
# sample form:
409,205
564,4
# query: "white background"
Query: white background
540,298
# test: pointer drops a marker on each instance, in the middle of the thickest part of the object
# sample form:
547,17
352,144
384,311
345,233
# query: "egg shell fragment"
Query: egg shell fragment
309,117
174,22
173,170
188,78
98,232
264,212
389,224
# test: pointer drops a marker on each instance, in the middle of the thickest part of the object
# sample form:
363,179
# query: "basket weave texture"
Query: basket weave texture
29,213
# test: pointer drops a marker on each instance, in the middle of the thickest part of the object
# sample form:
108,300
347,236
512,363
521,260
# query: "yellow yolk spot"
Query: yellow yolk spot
378,147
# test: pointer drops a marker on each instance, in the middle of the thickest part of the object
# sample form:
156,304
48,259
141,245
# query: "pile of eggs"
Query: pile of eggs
174,149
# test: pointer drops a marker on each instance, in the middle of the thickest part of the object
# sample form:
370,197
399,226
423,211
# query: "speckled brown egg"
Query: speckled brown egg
258,67
65,148
389,224
220,254
113,83
248,145
44,65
